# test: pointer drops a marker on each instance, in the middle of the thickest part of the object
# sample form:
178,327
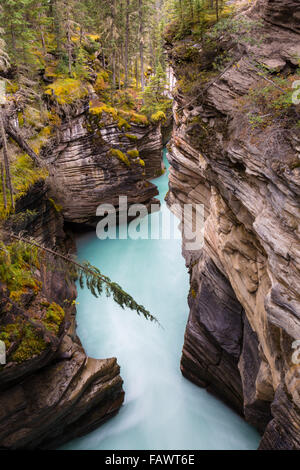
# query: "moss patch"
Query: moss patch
17,262
97,112
54,317
158,116
101,83
31,345
131,137
267,103
38,142
24,175
120,155
67,90
135,118
58,208
133,153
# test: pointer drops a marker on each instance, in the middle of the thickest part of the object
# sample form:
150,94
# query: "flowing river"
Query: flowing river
162,410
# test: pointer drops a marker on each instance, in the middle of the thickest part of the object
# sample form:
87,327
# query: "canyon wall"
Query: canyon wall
85,172
244,167
50,390
56,393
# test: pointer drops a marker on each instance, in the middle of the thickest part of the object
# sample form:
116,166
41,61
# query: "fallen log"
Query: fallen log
16,136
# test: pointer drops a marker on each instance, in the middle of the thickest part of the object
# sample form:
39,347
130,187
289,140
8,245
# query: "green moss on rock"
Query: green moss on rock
67,90
31,345
54,317
132,137
133,153
120,155
16,263
158,116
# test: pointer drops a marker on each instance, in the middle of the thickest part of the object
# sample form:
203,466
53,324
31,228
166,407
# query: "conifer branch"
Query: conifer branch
94,280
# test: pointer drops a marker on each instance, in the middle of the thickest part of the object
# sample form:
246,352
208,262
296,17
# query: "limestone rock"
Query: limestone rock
60,393
244,300
85,173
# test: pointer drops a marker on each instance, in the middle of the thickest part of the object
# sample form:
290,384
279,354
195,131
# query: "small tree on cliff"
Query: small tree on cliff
155,92
87,274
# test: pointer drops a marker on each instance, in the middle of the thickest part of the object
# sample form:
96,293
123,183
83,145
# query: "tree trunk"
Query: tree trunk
217,9
42,31
56,11
137,71
181,12
119,69
113,26
69,43
6,161
126,42
152,55
3,185
14,134
141,18
13,38
43,41
114,68
191,9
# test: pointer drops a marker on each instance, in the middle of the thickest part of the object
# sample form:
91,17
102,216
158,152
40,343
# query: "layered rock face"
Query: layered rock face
286,14
244,298
87,174
64,400
59,393
53,392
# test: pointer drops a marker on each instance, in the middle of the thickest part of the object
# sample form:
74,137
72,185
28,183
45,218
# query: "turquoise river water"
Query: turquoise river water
162,410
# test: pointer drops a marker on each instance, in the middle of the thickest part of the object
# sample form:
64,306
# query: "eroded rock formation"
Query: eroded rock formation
244,298
50,391
59,393
86,174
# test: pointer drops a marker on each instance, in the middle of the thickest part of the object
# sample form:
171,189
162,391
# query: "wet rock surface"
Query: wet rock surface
59,393
244,300
86,174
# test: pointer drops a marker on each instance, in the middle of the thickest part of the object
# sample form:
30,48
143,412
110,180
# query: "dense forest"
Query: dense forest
52,50
126,36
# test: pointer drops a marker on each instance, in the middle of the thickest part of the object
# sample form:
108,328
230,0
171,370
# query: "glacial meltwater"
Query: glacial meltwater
162,410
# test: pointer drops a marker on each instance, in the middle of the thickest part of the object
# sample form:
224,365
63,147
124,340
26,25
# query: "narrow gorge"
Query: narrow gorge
204,112
244,296
60,388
